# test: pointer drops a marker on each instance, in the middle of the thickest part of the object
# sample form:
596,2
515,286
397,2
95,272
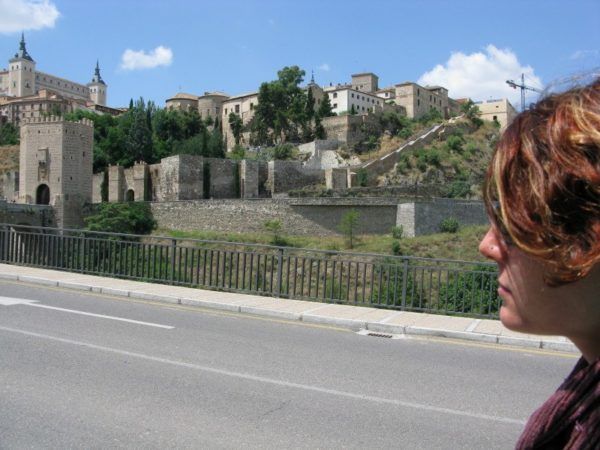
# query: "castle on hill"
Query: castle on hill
26,92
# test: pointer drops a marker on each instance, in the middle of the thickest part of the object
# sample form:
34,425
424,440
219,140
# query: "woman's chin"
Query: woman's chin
511,320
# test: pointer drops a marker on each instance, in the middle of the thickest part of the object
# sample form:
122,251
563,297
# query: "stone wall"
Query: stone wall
181,177
33,215
298,216
287,175
223,179
97,180
316,216
9,185
348,128
336,178
319,144
429,215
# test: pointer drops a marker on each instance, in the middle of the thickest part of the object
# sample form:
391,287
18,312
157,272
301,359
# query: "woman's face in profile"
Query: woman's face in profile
529,305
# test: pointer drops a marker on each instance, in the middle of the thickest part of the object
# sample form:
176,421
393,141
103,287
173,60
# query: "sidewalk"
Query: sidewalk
353,317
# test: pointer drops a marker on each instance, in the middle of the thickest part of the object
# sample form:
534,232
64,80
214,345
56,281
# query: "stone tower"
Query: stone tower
55,166
21,72
97,88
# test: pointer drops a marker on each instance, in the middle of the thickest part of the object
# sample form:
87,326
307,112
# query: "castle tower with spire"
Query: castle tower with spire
97,87
23,82
21,72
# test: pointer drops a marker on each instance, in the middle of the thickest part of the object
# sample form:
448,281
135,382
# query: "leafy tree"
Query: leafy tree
191,123
235,122
281,109
348,226
139,139
320,132
352,111
325,109
310,105
432,116
471,112
238,152
130,218
9,135
275,227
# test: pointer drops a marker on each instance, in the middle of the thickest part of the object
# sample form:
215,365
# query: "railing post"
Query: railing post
173,249
279,272
4,243
404,283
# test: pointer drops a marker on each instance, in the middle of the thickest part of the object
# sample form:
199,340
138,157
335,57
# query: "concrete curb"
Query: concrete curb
310,316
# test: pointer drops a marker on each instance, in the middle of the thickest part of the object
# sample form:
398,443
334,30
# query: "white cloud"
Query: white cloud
582,54
134,60
482,76
324,67
20,15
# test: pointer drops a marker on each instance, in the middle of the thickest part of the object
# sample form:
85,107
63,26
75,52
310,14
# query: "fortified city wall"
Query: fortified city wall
316,216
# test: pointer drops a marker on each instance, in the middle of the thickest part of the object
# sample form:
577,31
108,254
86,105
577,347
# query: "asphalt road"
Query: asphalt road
80,370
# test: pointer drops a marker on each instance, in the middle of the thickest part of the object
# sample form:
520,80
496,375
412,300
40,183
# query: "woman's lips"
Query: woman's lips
502,289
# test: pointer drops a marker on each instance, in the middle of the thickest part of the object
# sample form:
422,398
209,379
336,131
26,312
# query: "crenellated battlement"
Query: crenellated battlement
54,120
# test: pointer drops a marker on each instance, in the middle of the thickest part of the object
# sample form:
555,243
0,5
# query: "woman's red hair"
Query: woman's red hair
543,183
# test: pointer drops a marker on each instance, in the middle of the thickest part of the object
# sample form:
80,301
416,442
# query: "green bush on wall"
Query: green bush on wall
449,225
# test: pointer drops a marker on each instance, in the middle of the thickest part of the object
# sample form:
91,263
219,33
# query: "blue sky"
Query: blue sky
156,48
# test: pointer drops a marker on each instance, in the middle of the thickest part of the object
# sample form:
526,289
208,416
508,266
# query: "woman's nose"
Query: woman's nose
490,245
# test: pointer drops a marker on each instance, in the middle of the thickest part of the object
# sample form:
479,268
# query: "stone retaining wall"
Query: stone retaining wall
315,216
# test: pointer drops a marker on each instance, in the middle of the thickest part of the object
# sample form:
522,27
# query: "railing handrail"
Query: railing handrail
248,244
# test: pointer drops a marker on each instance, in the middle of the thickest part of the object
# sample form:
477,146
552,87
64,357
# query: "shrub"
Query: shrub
455,143
238,152
471,292
274,227
397,232
449,225
458,189
396,248
128,218
348,226
362,177
283,151
433,156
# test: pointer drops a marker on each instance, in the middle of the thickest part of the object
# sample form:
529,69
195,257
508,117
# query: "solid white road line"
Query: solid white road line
272,381
7,301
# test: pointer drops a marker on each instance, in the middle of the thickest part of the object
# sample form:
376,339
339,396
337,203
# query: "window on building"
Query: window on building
418,92
352,95
251,106
418,102
334,105
237,109
335,95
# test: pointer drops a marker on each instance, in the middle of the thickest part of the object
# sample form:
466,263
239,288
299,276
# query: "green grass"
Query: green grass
461,245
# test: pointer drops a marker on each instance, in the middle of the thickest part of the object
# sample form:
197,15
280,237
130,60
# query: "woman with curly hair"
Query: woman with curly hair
543,198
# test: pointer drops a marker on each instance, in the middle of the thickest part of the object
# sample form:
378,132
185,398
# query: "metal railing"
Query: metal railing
364,279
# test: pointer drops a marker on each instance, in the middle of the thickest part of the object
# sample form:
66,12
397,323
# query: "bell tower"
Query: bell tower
98,88
21,72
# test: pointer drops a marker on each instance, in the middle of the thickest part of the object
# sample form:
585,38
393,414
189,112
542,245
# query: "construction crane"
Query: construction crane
523,88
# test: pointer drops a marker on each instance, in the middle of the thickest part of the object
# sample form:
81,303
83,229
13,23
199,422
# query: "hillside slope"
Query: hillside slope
456,159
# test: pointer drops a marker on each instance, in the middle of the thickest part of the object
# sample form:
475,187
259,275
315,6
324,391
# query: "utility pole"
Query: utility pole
523,88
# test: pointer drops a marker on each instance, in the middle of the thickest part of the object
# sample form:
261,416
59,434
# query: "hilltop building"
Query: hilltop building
26,92
497,110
